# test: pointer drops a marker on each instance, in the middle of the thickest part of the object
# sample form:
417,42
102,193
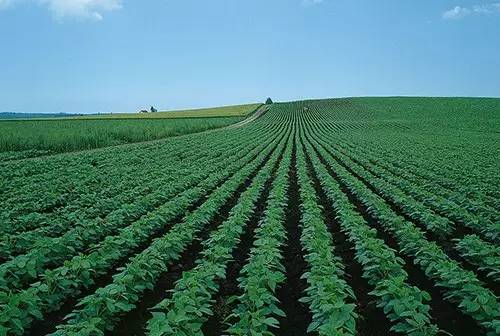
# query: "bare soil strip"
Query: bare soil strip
298,316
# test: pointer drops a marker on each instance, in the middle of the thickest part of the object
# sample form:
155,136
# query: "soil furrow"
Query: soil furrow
447,244
372,320
298,316
51,320
446,315
228,287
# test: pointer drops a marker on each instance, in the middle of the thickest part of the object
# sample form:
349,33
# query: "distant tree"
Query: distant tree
143,111
152,109
269,101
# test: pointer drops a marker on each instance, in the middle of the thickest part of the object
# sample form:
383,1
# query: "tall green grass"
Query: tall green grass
50,136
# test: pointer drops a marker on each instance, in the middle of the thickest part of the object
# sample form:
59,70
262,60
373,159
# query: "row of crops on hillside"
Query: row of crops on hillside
317,218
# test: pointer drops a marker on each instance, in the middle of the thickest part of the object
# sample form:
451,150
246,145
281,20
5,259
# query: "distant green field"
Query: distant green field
224,111
28,138
472,113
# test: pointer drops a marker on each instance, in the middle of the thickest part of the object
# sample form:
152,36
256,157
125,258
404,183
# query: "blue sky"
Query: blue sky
122,55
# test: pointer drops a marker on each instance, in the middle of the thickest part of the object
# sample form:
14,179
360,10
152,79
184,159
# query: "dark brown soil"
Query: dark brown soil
52,319
228,287
372,320
298,316
134,322
446,243
445,314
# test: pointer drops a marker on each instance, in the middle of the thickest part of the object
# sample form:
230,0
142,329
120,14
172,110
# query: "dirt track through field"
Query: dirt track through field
260,111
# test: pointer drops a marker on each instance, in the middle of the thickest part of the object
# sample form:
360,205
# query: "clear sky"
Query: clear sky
122,55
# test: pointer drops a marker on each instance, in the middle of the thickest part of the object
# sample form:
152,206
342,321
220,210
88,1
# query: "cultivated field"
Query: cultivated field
223,111
37,137
29,138
358,216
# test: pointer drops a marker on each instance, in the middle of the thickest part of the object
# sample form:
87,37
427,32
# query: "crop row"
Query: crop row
410,159
424,185
190,304
153,195
417,187
15,244
466,248
257,307
405,305
485,256
330,299
24,268
80,272
418,203
56,188
74,195
409,206
454,179
473,299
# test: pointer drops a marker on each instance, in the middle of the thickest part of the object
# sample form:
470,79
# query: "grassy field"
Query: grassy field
355,216
224,111
27,138
41,136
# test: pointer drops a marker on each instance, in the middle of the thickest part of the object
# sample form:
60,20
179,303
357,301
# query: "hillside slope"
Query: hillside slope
355,216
